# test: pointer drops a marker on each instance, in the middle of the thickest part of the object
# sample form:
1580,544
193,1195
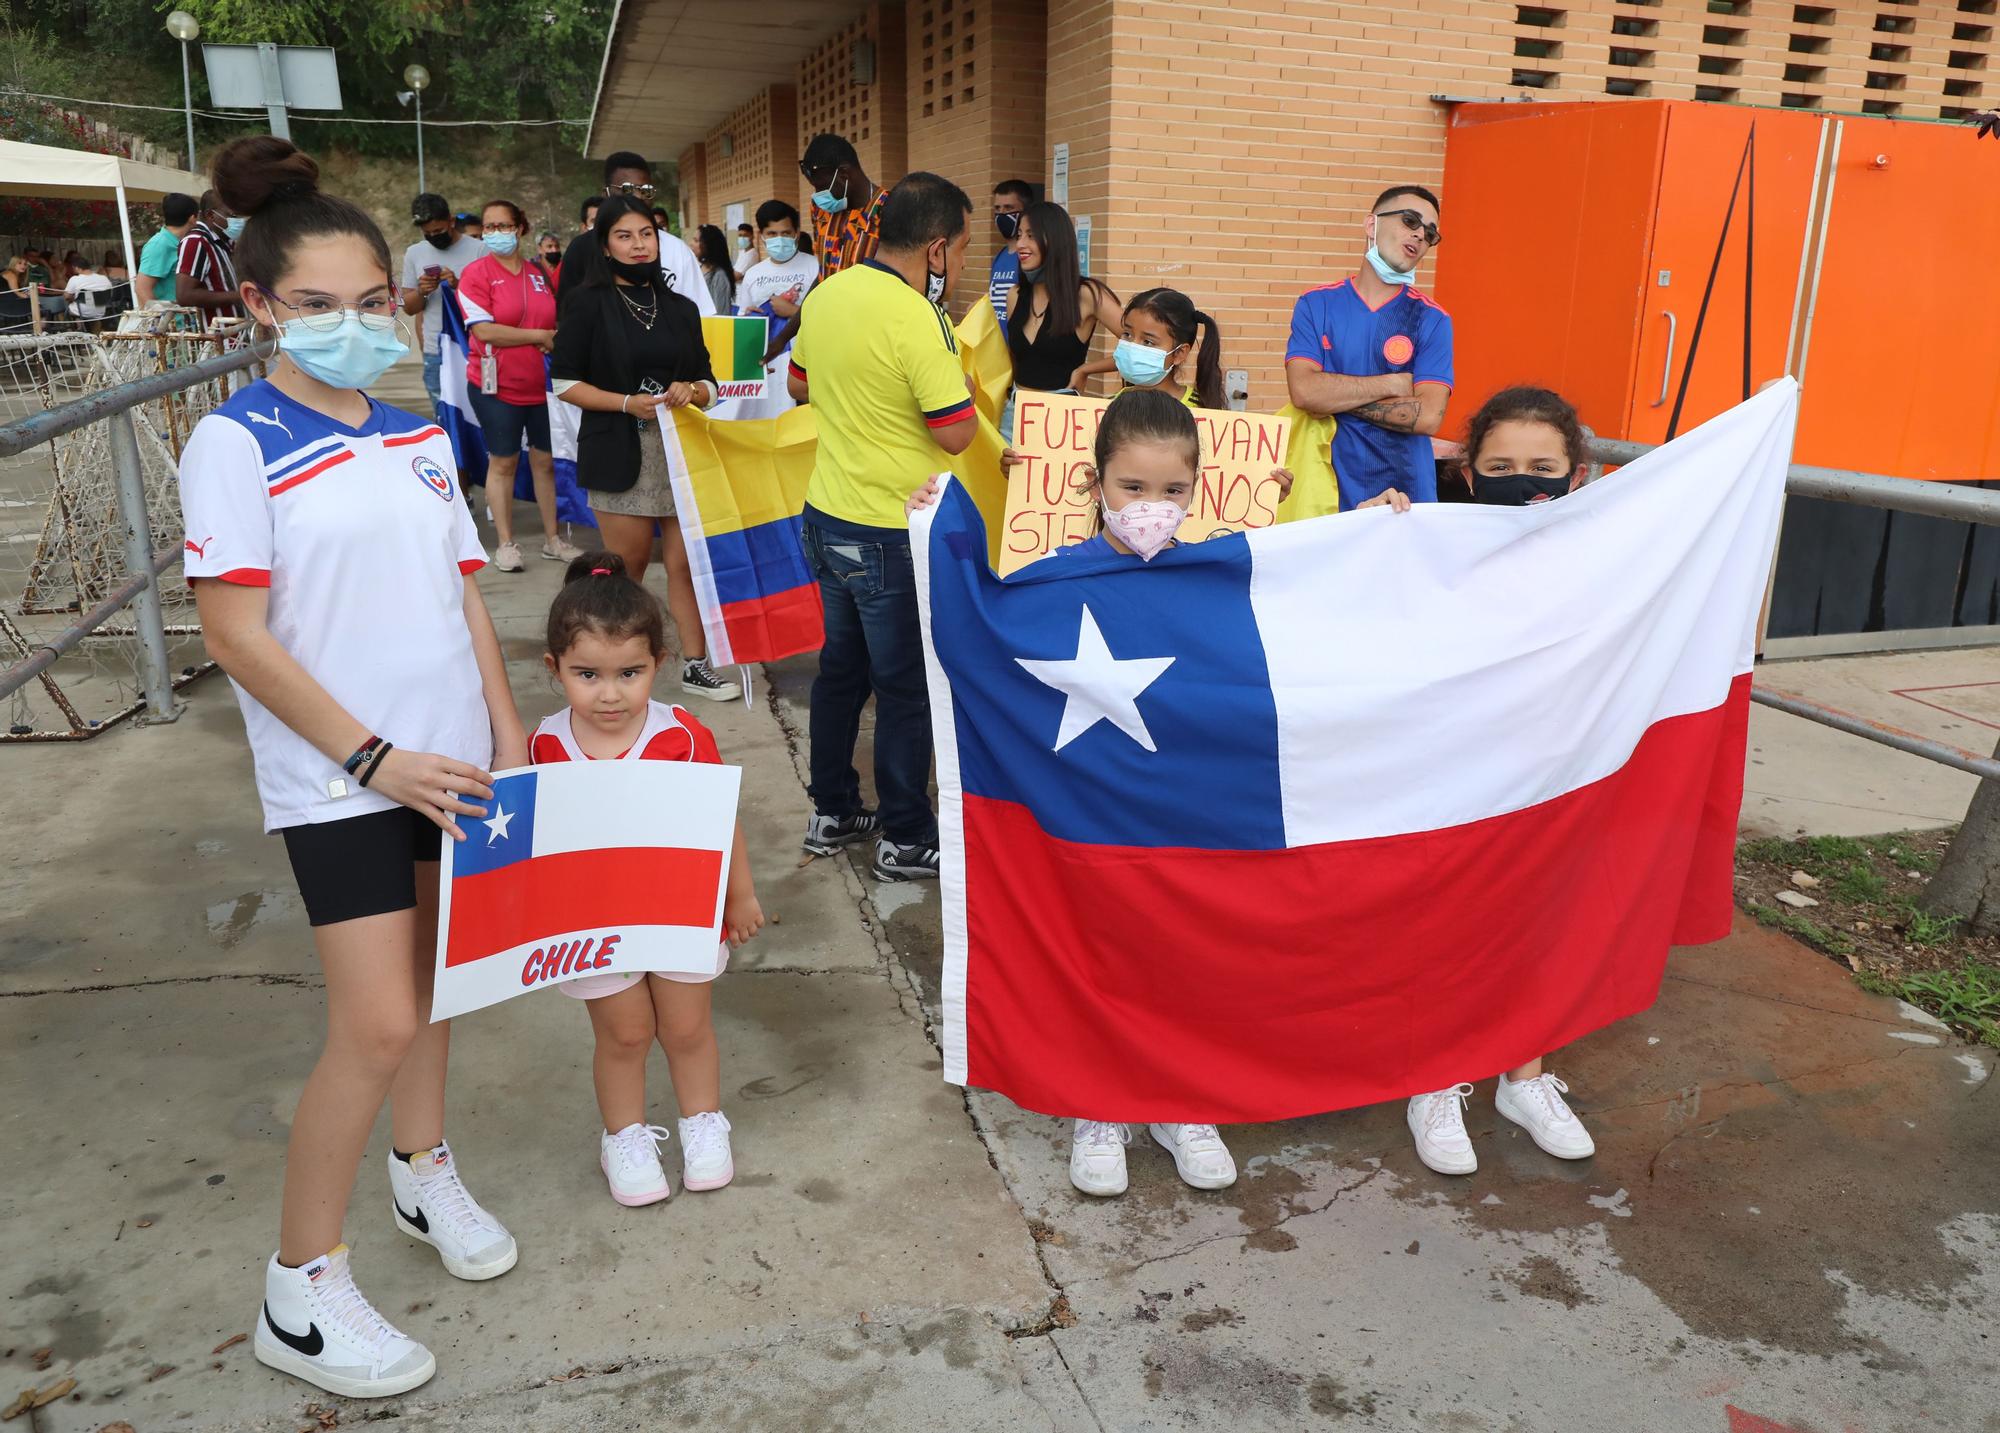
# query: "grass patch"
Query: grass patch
1902,854
1967,999
1927,929
1803,929
1830,850
1857,882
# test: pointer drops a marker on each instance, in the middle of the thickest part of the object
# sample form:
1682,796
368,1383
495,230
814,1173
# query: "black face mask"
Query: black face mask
1008,224
634,273
1517,490
442,241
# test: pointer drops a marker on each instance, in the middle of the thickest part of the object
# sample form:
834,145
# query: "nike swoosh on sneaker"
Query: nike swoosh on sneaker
311,1343
416,1221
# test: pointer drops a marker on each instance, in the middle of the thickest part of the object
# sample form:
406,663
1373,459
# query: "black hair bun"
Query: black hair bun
258,170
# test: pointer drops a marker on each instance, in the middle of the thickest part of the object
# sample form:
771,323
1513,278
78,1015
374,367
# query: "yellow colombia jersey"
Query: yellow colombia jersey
882,365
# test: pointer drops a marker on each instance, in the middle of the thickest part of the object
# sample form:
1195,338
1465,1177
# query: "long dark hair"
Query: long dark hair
609,213
1062,274
275,185
713,250
1182,319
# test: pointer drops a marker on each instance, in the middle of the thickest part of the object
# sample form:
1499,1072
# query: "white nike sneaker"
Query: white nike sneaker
630,1160
1438,1122
706,1162
432,1205
1097,1157
318,1326
1538,1107
1199,1154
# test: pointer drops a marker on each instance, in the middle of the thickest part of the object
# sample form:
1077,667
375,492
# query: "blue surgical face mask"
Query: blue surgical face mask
1140,366
233,227
781,249
1384,271
502,244
350,356
823,199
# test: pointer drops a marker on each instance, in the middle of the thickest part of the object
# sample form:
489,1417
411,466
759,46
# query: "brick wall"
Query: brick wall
873,117
693,167
976,97
761,136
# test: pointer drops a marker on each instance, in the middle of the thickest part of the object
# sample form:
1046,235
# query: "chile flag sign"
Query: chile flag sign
1346,809
584,868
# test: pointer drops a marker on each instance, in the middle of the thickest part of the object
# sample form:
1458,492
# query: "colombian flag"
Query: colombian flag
736,349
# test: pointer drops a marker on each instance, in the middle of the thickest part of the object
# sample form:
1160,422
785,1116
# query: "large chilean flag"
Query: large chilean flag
1346,809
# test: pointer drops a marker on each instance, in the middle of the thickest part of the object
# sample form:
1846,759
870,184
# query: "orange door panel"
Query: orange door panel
1548,218
1704,146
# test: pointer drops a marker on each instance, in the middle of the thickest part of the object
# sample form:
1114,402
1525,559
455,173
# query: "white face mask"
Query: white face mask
1145,527
1384,270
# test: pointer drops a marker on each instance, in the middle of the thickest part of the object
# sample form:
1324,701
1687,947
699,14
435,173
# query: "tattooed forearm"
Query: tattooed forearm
1401,414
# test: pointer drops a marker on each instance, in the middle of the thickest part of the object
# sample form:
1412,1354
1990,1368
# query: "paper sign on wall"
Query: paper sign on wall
1047,507
584,868
1059,177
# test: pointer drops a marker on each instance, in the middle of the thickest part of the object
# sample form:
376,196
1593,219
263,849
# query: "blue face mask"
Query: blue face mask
823,199
1140,366
502,244
1384,271
350,356
781,249
233,227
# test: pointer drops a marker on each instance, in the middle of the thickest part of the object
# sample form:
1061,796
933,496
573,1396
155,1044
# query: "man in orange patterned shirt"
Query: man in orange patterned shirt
847,207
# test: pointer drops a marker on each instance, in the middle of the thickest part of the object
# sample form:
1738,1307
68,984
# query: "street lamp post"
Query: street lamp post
185,28
419,79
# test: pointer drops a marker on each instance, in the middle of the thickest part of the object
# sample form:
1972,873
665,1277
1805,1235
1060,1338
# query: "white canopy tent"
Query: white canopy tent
45,171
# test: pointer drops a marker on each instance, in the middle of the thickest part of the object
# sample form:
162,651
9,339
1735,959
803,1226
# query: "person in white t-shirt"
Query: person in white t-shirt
331,554
774,287
430,266
746,249
628,174
84,289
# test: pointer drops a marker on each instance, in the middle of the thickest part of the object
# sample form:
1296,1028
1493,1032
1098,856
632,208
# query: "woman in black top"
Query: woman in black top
1054,312
628,348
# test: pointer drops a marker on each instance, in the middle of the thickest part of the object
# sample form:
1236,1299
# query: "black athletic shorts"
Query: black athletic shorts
362,865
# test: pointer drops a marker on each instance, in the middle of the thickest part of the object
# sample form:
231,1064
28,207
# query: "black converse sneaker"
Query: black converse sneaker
825,835
905,863
698,679
316,1325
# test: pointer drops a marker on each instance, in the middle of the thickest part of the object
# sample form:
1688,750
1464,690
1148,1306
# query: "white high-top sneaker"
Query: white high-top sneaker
318,1326
432,1205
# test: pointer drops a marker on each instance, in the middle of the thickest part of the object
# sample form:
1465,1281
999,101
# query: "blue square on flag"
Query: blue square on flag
506,833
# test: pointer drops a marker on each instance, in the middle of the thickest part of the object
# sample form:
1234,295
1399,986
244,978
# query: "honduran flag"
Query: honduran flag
1348,809
740,490
584,868
468,442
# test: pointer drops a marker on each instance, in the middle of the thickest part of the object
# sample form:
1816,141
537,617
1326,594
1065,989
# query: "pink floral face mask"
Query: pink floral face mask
1144,527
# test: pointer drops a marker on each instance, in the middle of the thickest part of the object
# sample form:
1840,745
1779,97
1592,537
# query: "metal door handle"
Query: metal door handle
1667,368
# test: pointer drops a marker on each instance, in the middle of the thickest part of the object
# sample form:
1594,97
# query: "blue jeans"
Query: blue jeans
874,641
433,366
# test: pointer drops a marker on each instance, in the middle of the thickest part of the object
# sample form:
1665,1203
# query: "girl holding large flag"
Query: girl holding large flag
331,553
628,347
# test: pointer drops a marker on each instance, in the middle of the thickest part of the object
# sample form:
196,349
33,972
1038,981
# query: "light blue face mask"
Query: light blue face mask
1384,270
502,244
823,199
781,249
1140,366
233,227
352,355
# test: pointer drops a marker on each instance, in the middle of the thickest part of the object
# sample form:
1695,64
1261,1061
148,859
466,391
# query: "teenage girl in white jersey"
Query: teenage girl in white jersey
330,552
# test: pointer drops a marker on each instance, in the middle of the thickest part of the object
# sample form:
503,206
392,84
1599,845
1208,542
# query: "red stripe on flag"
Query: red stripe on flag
1119,983
314,471
764,629
549,896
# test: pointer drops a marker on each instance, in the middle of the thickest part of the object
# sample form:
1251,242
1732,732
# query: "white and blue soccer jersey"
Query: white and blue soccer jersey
365,543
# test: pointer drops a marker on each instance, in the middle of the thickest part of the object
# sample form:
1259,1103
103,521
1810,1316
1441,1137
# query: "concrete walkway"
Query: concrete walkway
1792,1216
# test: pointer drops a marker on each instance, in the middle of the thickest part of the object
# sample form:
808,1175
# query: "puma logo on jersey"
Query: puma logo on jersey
271,422
199,549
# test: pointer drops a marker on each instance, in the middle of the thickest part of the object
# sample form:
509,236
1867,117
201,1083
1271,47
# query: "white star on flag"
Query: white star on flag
1098,686
496,827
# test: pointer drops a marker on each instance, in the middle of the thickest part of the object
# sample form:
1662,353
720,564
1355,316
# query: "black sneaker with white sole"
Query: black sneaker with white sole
825,835
698,679
905,863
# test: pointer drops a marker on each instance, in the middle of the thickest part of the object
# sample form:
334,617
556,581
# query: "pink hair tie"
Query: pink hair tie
600,572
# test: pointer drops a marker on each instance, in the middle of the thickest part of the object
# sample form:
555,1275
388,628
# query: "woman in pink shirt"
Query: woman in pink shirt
509,303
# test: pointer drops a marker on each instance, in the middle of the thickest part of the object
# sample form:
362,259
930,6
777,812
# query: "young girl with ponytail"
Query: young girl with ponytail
331,555
1160,331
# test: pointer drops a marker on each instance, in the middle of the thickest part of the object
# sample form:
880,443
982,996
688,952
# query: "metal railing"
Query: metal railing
141,588
1875,490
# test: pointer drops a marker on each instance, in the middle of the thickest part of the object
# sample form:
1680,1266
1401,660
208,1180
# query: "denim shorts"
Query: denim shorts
502,423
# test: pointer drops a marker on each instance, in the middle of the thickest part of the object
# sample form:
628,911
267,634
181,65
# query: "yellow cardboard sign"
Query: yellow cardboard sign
1049,505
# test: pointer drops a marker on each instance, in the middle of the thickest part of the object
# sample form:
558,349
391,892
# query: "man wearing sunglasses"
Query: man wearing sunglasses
629,174
1376,352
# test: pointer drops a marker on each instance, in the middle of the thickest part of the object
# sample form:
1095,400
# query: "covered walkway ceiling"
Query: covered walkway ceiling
674,69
